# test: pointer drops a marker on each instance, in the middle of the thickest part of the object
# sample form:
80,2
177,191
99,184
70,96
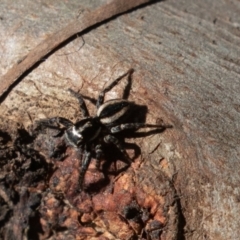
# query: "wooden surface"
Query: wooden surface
186,60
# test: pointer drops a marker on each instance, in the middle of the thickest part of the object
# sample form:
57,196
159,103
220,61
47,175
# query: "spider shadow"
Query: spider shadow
113,156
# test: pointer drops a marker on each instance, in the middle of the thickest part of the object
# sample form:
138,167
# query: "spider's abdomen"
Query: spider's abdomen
113,111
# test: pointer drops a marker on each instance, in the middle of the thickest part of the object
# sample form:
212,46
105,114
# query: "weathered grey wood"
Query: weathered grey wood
186,60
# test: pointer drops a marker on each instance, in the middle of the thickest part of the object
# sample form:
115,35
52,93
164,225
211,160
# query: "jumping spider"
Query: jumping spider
90,133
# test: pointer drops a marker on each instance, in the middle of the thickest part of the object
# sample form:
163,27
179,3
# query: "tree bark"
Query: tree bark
185,183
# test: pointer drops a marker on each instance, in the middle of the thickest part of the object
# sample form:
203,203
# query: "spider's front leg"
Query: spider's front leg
118,144
99,153
53,123
87,156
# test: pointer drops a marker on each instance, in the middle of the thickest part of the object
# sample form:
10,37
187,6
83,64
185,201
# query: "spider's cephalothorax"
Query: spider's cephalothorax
92,132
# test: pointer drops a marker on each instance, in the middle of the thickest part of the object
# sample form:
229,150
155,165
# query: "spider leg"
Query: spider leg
108,88
85,163
81,102
54,122
117,143
136,126
99,153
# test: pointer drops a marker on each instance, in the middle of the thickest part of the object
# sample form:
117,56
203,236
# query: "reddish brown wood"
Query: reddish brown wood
186,60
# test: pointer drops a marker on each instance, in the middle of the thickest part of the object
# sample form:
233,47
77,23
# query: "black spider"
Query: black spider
91,132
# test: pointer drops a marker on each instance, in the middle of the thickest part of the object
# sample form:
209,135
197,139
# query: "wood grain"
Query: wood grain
186,60
77,26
